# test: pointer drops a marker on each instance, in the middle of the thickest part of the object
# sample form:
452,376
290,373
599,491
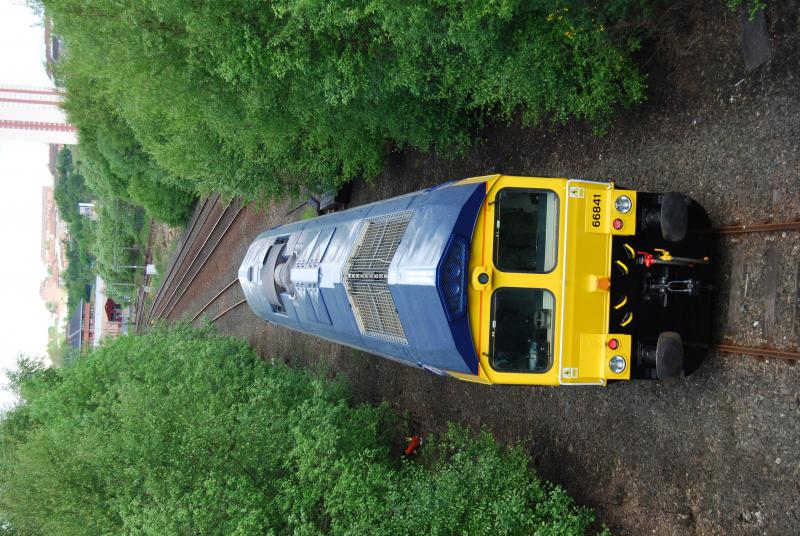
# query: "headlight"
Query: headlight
623,204
617,364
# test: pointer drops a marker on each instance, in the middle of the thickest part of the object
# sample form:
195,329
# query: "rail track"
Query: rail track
232,216
141,295
757,292
757,352
201,215
217,296
206,232
757,228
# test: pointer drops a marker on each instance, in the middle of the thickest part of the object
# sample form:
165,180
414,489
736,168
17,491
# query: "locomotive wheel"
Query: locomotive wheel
674,217
669,355
666,357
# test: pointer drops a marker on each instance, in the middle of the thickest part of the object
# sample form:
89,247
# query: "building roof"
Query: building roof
75,327
99,310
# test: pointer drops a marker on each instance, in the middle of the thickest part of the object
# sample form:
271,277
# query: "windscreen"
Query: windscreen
526,224
522,330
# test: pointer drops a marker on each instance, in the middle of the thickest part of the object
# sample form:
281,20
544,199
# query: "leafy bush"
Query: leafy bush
184,432
163,202
246,97
79,273
116,166
751,6
116,236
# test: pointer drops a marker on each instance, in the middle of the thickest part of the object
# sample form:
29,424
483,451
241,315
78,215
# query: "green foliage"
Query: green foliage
57,348
252,97
169,204
184,432
309,213
70,187
79,273
752,6
116,166
120,178
64,164
117,233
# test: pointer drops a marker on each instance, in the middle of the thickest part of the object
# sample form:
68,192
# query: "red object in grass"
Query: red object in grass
413,444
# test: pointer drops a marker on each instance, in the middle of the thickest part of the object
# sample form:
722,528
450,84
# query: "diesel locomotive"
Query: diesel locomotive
500,280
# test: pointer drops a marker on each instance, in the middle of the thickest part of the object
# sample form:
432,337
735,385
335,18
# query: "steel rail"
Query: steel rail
760,352
160,314
746,350
181,254
211,252
186,245
228,310
201,214
759,227
212,300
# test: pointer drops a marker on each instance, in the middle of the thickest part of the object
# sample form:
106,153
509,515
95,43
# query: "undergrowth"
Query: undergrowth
181,431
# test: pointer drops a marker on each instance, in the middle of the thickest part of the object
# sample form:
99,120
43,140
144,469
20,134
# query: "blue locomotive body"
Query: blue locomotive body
389,278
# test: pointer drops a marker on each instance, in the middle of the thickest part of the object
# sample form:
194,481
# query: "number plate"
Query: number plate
595,210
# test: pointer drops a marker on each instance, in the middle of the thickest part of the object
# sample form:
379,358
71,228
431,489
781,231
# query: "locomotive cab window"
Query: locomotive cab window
522,330
526,224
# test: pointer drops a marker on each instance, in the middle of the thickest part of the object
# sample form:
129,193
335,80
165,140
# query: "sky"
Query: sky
23,172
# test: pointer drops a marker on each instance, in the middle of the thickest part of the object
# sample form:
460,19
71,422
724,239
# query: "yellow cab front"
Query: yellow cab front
540,274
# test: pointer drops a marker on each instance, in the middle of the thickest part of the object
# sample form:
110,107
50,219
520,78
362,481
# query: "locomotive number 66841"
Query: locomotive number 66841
500,279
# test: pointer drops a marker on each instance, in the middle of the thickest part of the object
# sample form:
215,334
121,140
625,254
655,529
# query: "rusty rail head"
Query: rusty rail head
759,227
212,300
759,352
228,310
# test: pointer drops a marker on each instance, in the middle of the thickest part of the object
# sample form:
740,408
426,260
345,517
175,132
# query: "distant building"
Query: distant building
80,330
53,47
97,318
52,254
111,319
35,114
52,159
87,210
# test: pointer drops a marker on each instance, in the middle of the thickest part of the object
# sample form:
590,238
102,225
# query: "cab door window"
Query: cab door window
525,233
521,338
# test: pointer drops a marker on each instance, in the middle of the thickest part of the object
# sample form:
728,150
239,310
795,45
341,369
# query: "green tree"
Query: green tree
184,432
116,166
252,97
70,188
64,165
79,273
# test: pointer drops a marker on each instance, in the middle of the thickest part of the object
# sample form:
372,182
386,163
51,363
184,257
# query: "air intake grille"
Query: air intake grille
452,278
366,277
374,310
378,242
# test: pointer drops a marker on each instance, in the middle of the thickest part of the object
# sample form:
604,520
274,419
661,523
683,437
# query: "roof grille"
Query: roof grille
375,311
366,277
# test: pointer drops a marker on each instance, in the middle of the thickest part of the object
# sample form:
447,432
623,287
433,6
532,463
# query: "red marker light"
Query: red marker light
613,344
617,224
